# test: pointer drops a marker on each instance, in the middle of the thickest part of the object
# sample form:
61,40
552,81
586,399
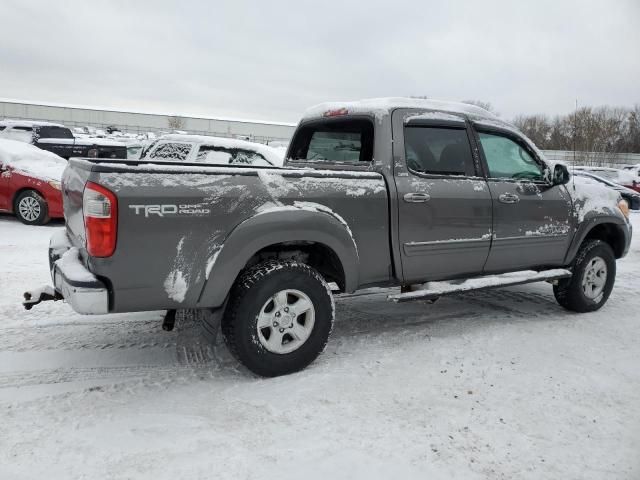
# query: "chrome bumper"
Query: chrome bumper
77,285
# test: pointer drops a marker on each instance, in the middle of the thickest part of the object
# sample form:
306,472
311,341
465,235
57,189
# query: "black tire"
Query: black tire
569,292
252,292
31,208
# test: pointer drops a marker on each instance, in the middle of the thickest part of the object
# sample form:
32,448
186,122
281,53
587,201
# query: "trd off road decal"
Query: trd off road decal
170,210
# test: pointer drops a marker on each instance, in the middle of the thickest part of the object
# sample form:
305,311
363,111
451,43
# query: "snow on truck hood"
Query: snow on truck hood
32,161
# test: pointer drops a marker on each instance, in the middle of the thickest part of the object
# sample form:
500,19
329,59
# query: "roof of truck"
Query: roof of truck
383,106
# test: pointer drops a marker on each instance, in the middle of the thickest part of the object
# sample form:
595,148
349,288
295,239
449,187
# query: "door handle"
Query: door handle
509,198
416,197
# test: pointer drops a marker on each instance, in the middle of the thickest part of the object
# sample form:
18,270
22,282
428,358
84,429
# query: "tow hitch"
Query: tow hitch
42,294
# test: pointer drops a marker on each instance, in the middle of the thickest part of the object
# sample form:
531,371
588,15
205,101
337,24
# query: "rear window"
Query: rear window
171,151
335,141
53,132
438,151
220,155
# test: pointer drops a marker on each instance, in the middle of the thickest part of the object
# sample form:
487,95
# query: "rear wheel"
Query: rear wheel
279,317
31,208
594,273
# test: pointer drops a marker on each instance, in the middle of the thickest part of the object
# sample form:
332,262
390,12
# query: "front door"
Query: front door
444,207
531,218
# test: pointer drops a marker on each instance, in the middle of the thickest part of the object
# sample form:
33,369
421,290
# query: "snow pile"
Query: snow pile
31,161
73,268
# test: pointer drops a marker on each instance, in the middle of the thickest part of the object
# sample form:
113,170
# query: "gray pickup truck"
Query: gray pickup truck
389,192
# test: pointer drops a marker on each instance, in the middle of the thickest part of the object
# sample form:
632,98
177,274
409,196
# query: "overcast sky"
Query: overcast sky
271,60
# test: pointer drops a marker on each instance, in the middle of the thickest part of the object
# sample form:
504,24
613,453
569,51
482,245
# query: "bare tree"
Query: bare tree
175,123
479,103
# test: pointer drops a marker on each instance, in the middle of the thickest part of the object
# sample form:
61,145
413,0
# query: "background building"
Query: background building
143,122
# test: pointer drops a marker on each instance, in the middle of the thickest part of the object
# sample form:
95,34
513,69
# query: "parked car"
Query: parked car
621,177
30,182
394,192
634,169
216,150
631,196
59,139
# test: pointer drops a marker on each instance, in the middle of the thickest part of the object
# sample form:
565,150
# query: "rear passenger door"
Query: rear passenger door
444,205
531,218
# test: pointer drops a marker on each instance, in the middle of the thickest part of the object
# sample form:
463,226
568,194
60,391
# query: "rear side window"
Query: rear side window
438,151
52,132
220,155
335,141
171,151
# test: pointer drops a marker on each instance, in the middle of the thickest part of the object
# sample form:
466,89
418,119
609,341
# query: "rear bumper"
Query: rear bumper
80,288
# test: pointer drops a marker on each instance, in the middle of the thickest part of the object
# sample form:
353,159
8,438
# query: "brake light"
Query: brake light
336,113
100,211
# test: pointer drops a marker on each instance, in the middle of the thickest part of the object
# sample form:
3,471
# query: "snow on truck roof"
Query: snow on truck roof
273,155
383,106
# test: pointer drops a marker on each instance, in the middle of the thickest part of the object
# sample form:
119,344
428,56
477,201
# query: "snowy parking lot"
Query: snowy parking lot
494,384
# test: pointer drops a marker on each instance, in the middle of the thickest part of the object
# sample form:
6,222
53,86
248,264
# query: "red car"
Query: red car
30,182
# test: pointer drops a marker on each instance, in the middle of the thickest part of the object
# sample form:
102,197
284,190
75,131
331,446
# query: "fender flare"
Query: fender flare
587,225
275,227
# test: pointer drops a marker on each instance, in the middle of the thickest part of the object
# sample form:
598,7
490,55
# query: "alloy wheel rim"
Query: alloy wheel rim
285,321
594,278
29,208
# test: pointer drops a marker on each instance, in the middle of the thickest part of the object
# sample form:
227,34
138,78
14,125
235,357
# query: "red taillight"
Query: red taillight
100,210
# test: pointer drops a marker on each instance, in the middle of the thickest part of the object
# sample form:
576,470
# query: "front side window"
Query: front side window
337,141
438,151
171,151
508,159
225,156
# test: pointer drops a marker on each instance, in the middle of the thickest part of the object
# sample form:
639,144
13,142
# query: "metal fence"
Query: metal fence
593,159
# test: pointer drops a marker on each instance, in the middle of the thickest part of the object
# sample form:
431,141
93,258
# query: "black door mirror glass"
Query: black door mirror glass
561,174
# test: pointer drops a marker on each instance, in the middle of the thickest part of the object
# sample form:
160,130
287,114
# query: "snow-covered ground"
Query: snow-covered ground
494,385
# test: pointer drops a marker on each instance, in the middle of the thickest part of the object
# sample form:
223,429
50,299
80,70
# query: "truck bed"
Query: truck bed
174,220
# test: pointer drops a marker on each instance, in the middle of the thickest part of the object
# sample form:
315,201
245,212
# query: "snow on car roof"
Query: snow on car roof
28,123
382,106
31,160
271,154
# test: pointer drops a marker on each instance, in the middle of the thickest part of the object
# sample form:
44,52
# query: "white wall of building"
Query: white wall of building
135,122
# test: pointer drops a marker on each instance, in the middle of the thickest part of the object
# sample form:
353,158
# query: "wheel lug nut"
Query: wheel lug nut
277,314
286,309
281,330
275,324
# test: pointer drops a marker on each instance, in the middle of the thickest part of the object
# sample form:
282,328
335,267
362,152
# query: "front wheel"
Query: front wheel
31,208
594,273
279,317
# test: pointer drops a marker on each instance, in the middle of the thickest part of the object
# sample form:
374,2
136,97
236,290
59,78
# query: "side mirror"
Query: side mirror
561,175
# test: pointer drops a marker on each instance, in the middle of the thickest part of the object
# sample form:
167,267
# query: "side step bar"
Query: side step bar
434,290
